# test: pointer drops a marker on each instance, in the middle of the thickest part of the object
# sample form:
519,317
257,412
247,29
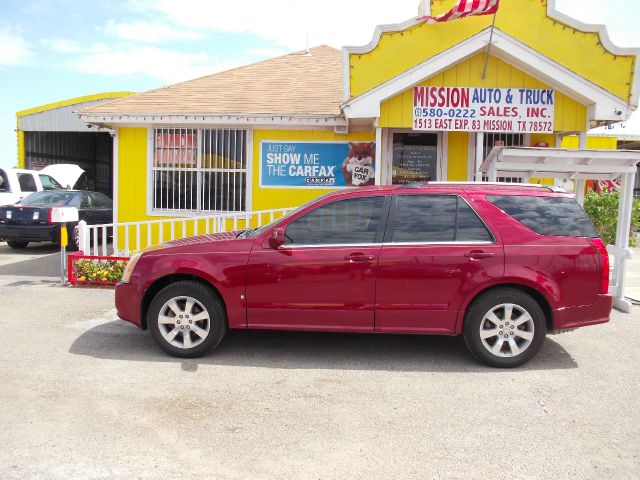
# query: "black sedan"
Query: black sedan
29,220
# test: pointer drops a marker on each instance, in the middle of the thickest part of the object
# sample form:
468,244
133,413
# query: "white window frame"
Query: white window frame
198,211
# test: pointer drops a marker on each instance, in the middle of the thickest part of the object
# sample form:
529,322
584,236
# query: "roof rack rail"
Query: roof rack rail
414,185
553,188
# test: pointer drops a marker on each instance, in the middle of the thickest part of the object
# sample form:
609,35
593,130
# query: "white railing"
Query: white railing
129,237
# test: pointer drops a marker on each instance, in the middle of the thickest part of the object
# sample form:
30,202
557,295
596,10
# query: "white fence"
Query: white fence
129,237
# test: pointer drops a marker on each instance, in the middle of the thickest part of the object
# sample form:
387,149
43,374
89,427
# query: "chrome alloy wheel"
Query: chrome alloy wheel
184,322
507,330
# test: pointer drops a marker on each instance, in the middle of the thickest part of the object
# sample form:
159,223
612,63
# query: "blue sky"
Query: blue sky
51,51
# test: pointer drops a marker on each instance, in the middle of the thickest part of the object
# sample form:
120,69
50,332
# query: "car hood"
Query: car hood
198,239
66,174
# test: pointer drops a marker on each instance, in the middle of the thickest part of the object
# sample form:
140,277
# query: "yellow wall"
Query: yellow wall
397,112
525,20
268,198
458,153
595,143
132,174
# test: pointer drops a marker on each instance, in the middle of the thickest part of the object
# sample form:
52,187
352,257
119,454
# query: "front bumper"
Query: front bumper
584,315
30,233
129,298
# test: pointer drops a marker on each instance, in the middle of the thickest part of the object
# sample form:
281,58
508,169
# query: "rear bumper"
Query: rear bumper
30,233
129,302
584,315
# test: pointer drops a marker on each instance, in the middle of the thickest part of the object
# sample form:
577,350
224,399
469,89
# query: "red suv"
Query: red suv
498,264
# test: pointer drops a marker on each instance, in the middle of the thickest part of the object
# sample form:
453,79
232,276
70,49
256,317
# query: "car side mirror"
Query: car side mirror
276,240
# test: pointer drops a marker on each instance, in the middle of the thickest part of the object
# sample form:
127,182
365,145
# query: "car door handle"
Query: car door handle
478,254
359,257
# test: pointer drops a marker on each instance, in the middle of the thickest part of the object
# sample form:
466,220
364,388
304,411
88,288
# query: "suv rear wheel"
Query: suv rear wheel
187,319
504,328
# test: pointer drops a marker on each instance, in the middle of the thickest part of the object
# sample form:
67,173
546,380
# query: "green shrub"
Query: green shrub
602,209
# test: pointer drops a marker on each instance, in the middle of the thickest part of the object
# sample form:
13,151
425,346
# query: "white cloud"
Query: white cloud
286,22
165,65
620,16
15,49
267,52
149,32
63,45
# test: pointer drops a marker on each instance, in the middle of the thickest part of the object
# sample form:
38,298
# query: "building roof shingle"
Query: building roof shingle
296,84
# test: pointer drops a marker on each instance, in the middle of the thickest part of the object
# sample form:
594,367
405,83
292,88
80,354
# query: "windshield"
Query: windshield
47,199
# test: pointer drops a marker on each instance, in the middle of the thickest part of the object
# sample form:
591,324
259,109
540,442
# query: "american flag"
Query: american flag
465,8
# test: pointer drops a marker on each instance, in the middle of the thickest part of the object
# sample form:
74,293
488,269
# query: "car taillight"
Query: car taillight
49,215
604,260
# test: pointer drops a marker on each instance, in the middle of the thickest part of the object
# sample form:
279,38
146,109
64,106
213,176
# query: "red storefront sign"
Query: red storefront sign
176,148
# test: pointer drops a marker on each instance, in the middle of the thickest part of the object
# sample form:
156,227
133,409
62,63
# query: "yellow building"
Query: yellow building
421,101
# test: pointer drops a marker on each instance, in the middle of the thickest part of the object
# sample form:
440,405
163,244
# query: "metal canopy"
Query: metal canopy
580,165
576,164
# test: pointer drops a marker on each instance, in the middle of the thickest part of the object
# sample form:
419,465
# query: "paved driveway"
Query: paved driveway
87,396
37,260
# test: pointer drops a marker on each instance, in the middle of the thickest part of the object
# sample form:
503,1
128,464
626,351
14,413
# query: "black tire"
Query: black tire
207,300
494,304
17,244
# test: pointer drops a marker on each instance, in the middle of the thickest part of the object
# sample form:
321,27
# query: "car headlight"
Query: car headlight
131,264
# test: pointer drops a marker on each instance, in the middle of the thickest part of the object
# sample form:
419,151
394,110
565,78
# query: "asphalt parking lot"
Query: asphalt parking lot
87,396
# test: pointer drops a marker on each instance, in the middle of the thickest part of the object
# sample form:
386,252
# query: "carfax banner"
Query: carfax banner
468,109
317,164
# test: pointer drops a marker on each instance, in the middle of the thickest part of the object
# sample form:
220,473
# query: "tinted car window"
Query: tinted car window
346,222
436,218
424,218
87,201
469,227
27,182
100,201
59,199
547,215
49,183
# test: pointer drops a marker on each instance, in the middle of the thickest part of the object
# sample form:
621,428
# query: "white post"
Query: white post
479,156
623,231
104,240
580,185
83,237
378,161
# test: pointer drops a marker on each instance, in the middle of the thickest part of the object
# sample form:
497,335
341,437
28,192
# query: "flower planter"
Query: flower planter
94,269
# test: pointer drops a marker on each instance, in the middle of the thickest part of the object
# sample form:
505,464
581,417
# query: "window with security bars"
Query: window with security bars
199,170
502,140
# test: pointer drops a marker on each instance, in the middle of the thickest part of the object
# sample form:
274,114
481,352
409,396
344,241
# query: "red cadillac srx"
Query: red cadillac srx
499,264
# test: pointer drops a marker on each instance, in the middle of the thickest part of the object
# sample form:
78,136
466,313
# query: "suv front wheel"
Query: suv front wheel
187,319
504,328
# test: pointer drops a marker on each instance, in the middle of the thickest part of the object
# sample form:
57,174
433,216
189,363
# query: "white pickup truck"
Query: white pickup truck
16,183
